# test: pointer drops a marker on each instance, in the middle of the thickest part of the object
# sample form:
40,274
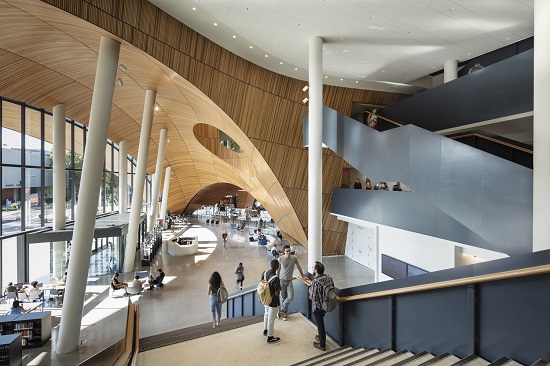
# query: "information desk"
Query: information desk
183,246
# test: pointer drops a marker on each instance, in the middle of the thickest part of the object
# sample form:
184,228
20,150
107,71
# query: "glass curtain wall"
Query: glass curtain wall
26,133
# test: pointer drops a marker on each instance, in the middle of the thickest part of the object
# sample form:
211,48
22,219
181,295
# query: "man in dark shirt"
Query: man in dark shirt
271,309
157,281
316,295
357,184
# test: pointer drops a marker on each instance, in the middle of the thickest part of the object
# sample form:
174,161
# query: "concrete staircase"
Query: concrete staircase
386,357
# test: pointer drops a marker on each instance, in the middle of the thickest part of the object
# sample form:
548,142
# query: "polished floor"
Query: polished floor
183,302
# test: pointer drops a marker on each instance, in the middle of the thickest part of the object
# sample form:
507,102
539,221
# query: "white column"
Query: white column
122,177
541,128
139,179
315,153
450,70
165,190
59,187
157,177
92,168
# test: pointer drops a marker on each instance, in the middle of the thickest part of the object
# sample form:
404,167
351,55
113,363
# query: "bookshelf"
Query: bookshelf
35,328
11,352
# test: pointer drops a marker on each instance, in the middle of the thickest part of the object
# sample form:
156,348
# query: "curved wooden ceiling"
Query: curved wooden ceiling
49,57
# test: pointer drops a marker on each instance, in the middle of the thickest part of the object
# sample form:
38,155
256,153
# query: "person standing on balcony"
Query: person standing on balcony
357,184
372,120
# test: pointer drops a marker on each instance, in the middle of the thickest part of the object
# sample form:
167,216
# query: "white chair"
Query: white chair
10,296
134,290
35,296
22,296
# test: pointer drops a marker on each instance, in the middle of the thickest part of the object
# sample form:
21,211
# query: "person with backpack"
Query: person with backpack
270,309
239,276
318,293
214,284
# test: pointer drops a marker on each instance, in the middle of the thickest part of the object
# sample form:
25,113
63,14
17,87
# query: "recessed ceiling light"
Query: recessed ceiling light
234,36
341,79
250,46
295,69
265,55
281,62
356,81
326,77
194,8
383,71
341,37
216,24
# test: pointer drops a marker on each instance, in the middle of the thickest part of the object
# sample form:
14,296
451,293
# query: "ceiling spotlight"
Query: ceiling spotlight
326,77
295,69
281,62
234,36
156,107
122,67
168,139
250,46
341,79
119,81
216,24
305,100
265,55
305,88
356,81
194,8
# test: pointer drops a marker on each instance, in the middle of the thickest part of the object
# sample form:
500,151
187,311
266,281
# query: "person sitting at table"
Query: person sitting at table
38,295
10,288
157,281
115,284
17,308
136,282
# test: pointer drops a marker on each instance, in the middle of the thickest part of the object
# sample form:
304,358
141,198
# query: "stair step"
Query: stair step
541,362
352,358
370,359
505,361
340,359
393,359
472,360
445,359
312,360
415,360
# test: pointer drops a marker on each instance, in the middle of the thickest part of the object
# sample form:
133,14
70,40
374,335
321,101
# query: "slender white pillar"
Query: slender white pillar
315,153
59,188
450,70
92,168
59,168
541,128
157,177
165,190
137,192
122,177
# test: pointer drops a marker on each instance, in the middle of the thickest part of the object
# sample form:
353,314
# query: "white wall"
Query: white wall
362,246
367,241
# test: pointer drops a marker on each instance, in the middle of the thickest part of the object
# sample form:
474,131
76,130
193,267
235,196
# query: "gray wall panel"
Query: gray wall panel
490,198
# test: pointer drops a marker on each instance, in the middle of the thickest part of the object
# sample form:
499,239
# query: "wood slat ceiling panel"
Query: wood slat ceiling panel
253,93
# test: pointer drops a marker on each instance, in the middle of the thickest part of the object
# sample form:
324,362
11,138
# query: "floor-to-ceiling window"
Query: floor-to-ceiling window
26,175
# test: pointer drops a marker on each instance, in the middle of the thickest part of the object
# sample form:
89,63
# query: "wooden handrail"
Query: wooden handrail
531,271
475,134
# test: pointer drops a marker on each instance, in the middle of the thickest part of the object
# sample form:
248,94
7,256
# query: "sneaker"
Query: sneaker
317,339
265,332
273,339
279,314
285,316
318,346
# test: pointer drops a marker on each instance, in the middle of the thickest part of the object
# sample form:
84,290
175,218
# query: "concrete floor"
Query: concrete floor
184,302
